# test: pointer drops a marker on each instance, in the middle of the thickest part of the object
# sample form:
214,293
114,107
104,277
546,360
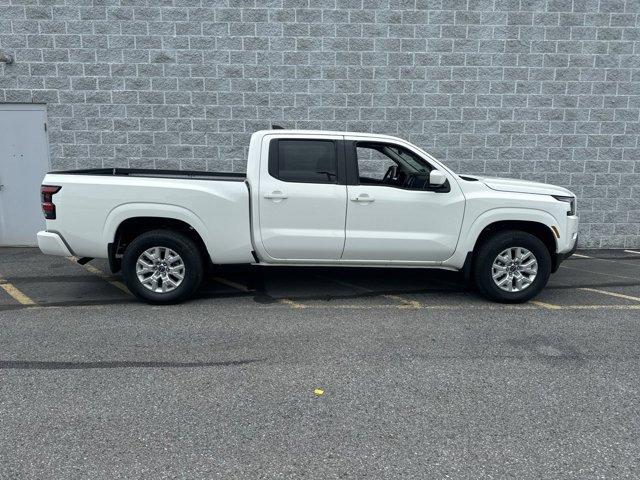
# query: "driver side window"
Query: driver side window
372,164
390,165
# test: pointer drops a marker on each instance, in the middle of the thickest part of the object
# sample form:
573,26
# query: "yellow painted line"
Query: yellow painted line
15,293
345,284
232,284
243,288
99,273
612,294
470,307
405,302
291,303
548,306
399,306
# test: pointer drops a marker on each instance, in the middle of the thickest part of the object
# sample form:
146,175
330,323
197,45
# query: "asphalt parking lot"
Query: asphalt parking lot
420,376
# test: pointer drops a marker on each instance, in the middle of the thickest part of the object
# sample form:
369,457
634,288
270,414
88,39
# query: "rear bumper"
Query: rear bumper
51,243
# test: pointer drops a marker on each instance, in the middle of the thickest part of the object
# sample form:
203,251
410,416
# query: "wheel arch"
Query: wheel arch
132,227
541,230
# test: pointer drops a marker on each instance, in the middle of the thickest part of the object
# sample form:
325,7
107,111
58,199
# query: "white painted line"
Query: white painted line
618,262
633,251
612,294
581,256
601,307
600,273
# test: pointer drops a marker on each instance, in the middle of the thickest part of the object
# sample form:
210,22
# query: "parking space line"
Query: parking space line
548,306
600,273
618,262
405,302
580,255
15,293
601,307
345,284
291,303
99,273
633,251
243,288
612,294
232,284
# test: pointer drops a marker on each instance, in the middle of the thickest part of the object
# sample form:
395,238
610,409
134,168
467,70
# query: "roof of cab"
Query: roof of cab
281,131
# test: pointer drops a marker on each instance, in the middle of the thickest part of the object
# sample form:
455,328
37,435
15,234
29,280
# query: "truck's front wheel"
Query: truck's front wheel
162,267
512,267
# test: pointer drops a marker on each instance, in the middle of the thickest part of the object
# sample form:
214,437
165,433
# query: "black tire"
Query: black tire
180,244
492,247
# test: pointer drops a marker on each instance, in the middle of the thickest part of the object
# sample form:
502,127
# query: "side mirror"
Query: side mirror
437,179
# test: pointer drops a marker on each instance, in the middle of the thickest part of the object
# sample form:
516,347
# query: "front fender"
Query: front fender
470,234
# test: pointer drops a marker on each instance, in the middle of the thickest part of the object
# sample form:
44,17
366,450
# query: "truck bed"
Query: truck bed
91,204
154,173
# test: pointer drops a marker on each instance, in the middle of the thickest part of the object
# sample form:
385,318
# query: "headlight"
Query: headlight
570,200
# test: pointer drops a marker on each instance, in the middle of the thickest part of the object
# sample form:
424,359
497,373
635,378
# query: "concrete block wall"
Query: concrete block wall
545,90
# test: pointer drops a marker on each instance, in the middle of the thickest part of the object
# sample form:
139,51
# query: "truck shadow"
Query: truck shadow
270,284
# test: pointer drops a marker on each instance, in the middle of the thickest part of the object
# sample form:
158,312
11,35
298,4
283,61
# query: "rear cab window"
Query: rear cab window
304,160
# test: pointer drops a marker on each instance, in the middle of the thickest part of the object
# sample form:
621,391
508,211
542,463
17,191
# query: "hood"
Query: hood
521,186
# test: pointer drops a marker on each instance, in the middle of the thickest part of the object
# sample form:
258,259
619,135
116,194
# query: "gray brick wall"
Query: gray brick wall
545,90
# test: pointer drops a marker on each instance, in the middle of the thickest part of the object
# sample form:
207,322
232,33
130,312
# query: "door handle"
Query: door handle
277,195
363,198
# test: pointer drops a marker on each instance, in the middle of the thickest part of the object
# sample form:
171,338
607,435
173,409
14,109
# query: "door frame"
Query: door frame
19,107
31,107
262,173
350,141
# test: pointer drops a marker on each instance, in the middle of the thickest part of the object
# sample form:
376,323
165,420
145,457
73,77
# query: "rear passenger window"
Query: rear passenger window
306,161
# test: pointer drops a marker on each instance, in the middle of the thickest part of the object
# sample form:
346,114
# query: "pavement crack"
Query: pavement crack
58,365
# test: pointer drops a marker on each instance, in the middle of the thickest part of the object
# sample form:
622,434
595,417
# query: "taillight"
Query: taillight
46,195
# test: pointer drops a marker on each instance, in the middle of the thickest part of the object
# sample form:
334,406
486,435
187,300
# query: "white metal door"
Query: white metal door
386,223
394,223
301,221
24,160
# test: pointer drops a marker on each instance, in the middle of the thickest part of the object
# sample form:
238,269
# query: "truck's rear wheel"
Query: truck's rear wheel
511,267
162,267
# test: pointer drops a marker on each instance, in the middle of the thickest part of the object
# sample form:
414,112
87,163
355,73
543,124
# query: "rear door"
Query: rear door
302,197
392,215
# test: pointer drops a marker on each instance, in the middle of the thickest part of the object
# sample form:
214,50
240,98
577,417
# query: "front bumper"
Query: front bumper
561,257
51,243
569,239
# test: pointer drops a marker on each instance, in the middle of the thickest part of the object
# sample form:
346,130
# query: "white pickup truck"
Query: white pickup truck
311,198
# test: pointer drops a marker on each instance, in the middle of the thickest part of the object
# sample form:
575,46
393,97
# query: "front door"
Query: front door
392,215
24,161
302,198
